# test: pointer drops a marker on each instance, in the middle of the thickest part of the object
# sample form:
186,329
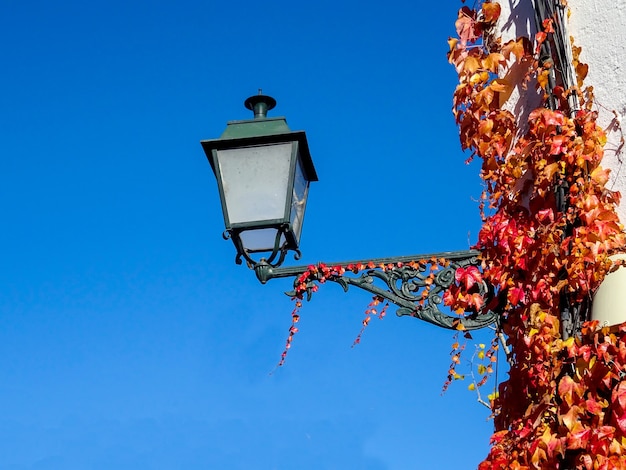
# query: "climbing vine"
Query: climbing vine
549,226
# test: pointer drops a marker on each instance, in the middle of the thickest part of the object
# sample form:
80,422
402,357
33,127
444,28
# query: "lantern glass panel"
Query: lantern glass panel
298,202
260,240
255,182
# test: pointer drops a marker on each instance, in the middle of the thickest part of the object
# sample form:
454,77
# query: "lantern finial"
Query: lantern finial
260,104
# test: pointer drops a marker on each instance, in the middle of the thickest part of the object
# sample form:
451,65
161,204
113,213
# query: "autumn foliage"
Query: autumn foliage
549,225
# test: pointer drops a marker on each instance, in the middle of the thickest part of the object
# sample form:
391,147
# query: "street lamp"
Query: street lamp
263,171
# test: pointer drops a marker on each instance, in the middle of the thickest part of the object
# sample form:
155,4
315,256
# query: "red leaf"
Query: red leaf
468,277
466,26
516,295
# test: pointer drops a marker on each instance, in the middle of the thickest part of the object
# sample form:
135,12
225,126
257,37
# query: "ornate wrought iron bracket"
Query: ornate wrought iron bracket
415,284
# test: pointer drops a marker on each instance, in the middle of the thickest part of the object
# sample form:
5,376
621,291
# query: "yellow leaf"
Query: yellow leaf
492,62
452,42
542,79
471,387
471,65
501,85
479,77
600,175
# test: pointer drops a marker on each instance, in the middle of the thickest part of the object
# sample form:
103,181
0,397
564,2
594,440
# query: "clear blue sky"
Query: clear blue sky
129,339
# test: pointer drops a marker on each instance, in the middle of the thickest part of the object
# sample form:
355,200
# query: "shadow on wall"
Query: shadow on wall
519,22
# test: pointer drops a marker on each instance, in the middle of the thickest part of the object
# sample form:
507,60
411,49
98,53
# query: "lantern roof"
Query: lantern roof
261,130
255,127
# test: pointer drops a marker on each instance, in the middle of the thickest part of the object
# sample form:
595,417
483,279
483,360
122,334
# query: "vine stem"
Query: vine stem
505,348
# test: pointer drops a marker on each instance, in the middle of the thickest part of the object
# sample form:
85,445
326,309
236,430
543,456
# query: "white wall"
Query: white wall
599,27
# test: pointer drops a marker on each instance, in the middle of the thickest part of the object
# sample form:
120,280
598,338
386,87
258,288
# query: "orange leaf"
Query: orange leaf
550,170
600,175
471,65
581,73
491,12
514,47
501,85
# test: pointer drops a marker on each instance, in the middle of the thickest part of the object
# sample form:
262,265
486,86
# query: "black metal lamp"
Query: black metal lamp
263,171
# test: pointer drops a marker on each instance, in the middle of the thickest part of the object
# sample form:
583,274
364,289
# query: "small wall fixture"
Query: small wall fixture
609,302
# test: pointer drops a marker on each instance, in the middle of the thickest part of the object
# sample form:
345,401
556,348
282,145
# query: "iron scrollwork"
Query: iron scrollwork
415,284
